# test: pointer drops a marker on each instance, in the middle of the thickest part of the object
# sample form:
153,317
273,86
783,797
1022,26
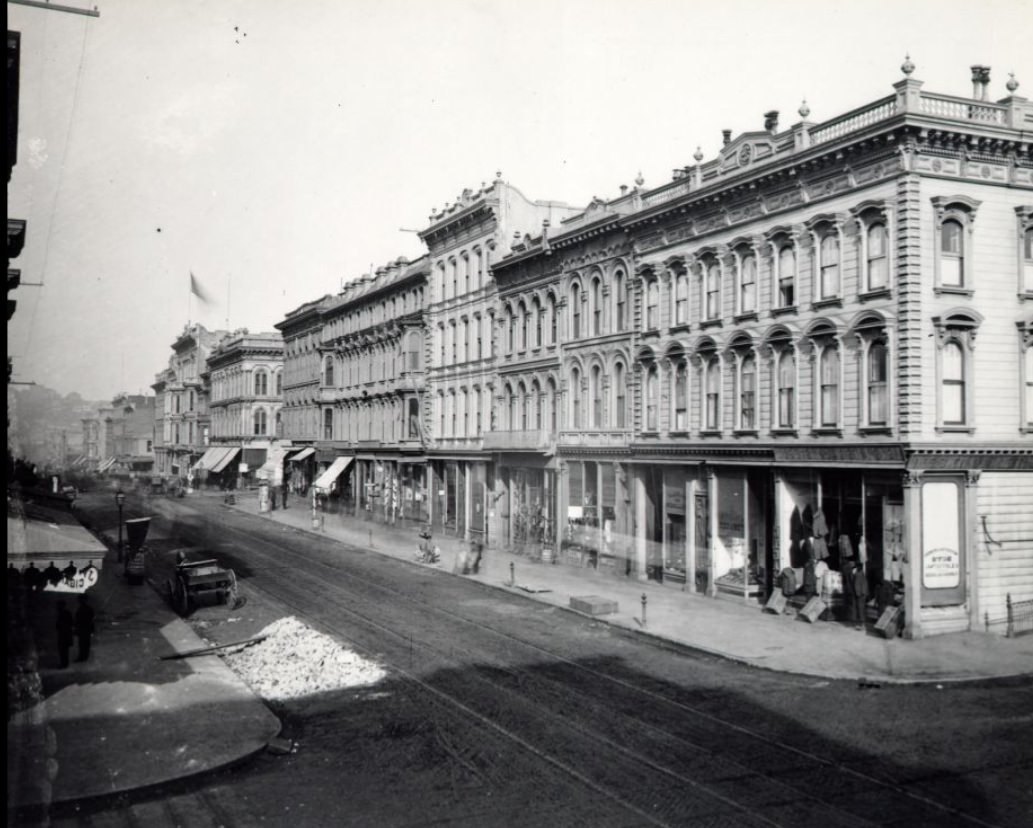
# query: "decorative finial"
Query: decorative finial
639,180
698,155
1012,84
498,174
907,67
804,110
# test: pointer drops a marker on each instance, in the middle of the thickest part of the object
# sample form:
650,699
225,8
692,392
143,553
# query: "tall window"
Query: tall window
1027,260
453,267
829,253
538,400
537,324
748,285
553,407
1027,371
877,393
575,310
786,276
279,383
464,404
478,267
681,297
441,336
621,391
652,395
328,424
441,414
713,291
597,397
553,320
878,263
511,330
453,338
829,386
748,394
575,398
681,396
525,319
620,289
478,325
953,397
952,254
787,390
652,304
328,372
261,384
597,306
713,394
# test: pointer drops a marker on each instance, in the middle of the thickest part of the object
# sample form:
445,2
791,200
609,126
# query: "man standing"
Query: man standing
284,488
860,596
65,632
84,627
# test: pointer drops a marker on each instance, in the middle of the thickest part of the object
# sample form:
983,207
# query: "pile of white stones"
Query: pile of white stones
295,661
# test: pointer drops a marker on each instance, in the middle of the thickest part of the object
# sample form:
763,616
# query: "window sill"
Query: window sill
784,432
650,433
745,432
827,431
831,302
710,432
788,309
749,316
1026,429
955,429
940,290
681,327
881,293
875,429
710,323
1025,296
651,332
682,432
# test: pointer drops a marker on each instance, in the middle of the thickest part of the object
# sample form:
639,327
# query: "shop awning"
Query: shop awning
224,461
210,457
43,542
107,464
327,478
303,454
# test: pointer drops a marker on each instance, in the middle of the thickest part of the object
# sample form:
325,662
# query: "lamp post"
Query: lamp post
120,499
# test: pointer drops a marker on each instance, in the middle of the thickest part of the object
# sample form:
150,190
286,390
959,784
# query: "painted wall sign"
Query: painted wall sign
941,568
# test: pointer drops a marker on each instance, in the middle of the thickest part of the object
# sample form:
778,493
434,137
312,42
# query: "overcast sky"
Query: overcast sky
275,148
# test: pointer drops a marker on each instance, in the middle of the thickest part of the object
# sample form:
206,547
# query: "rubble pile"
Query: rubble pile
296,660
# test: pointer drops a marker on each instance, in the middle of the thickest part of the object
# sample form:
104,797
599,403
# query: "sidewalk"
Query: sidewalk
723,628
126,719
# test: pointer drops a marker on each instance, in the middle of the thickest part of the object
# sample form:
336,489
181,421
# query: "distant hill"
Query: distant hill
44,424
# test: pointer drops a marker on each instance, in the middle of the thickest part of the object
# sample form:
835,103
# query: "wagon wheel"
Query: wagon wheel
233,598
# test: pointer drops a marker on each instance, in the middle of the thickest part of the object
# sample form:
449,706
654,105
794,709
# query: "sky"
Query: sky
278,149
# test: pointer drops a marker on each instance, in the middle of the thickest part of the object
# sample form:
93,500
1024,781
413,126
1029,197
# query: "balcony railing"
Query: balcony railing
596,437
519,440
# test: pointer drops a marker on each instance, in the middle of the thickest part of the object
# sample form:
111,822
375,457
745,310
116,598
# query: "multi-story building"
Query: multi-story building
244,381
183,407
464,240
372,346
805,375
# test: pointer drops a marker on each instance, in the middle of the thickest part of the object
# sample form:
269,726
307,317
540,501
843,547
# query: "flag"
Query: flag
198,291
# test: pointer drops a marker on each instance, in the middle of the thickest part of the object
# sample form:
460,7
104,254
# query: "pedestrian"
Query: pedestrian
272,497
860,595
65,632
84,627
284,488
475,558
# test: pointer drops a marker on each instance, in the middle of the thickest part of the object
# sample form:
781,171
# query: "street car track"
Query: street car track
333,594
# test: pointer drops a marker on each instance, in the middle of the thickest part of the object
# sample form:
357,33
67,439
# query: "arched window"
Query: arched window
524,403
328,372
597,397
553,406
652,304
575,311
878,263
952,254
463,404
525,323
652,397
681,297
537,310
441,413
681,396
279,383
453,341
953,394
829,370
713,291
510,331
829,253
1027,260
620,394
1027,372
621,293
787,390
328,424
597,306
786,276
575,398
748,394
538,401
712,416
748,285
261,384
514,402
553,320
878,402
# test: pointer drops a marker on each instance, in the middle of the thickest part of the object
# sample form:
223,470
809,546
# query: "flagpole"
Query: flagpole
229,282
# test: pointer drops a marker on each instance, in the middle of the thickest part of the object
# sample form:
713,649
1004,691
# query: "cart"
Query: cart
202,582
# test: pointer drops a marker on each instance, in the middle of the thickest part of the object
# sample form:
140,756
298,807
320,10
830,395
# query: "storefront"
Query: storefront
527,508
595,499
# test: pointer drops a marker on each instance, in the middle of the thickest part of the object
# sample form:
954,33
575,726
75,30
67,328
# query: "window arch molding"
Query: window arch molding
742,356
679,371
826,360
873,336
1025,329
826,232
873,220
576,299
784,252
780,344
681,290
1024,218
712,268
953,226
955,332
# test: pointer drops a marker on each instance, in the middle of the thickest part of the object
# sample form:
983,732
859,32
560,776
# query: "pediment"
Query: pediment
745,151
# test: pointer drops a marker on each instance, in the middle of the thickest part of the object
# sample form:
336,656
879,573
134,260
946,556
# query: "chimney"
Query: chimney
771,121
624,189
726,136
980,82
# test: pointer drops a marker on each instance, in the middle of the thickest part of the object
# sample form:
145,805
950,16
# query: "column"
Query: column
639,485
971,541
912,485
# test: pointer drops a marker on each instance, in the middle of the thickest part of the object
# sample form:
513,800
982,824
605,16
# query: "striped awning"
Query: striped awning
224,461
327,478
302,455
107,464
212,457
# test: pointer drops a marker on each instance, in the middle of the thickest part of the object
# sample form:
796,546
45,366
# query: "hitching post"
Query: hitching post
643,609
512,573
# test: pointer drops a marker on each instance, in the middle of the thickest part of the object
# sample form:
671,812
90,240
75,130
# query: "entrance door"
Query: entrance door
702,541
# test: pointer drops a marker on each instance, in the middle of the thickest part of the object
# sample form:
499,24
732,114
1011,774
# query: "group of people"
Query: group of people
70,627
